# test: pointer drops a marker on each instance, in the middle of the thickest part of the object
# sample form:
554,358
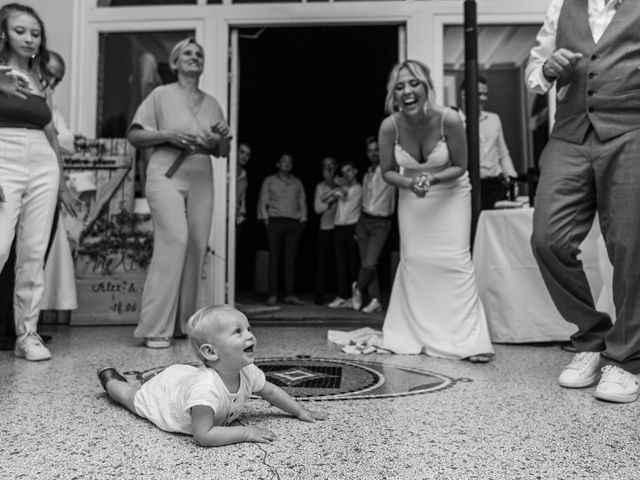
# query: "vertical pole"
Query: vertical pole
234,100
472,108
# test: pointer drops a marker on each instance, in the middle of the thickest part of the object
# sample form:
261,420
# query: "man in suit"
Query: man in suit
590,50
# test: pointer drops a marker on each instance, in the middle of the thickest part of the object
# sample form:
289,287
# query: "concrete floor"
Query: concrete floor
510,421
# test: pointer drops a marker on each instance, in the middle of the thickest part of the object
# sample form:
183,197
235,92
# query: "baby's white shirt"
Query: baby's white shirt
167,399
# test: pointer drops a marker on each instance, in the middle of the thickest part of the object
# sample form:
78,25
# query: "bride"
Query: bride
434,306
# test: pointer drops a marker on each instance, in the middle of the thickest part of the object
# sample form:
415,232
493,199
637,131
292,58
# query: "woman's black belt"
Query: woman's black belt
182,157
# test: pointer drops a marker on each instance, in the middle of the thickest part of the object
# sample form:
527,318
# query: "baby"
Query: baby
204,402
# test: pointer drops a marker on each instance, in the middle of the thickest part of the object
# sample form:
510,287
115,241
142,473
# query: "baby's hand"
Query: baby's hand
260,435
311,415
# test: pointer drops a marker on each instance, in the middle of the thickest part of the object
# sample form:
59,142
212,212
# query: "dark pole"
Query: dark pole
472,108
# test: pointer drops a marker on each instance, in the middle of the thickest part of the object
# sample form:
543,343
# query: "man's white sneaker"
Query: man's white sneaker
617,385
373,307
582,370
356,296
31,347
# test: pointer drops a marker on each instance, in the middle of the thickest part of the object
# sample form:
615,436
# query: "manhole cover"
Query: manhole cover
333,379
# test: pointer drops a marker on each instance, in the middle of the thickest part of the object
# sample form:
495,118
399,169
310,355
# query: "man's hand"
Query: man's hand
259,435
560,64
13,82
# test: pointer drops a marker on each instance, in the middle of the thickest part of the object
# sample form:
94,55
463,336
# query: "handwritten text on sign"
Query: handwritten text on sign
112,300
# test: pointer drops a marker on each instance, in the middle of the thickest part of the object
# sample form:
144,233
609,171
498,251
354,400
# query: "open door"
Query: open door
311,90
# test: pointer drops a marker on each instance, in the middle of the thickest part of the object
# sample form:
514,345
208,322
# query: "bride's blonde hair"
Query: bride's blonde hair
421,72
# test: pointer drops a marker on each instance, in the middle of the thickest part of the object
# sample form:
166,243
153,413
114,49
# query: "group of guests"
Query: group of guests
589,50
354,222
354,225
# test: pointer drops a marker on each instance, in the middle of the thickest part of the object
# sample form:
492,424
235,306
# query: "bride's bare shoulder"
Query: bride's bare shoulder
387,125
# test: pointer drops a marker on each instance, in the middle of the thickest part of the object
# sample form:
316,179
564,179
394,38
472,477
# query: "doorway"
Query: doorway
312,91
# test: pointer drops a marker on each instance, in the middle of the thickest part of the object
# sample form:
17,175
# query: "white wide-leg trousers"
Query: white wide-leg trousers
29,177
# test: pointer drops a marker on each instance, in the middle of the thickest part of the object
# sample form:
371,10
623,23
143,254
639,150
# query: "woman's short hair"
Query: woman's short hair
41,58
420,71
177,50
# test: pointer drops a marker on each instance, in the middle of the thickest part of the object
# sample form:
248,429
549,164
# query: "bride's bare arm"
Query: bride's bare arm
386,143
457,144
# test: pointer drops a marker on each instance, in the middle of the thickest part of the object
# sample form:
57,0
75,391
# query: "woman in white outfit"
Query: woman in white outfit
30,170
434,306
184,126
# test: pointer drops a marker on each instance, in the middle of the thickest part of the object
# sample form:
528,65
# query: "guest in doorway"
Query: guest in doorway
282,207
59,274
324,204
434,307
349,206
28,196
591,52
372,230
184,126
57,69
242,241
496,166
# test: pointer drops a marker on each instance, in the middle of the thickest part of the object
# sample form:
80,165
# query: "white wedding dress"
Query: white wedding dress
434,306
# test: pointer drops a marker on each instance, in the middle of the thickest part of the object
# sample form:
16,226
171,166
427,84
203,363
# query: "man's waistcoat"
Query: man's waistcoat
604,88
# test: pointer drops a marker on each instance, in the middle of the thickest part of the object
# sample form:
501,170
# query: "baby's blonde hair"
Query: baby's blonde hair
201,325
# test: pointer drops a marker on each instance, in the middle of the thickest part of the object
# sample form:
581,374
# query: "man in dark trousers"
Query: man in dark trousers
372,230
590,50
282,207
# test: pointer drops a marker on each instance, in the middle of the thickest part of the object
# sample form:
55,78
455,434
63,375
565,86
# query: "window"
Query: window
130,64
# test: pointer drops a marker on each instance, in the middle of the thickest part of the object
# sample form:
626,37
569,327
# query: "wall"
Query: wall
57,16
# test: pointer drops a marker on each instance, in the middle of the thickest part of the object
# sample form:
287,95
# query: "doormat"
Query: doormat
308,378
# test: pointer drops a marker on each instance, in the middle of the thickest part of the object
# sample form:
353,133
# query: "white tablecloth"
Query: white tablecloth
518,306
